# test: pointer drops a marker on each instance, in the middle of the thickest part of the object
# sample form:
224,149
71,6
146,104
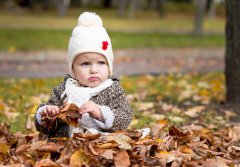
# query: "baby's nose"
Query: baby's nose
94,68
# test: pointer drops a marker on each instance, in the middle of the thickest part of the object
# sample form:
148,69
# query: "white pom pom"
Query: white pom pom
89,19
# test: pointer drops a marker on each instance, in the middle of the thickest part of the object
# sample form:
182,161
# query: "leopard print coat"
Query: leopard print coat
113,97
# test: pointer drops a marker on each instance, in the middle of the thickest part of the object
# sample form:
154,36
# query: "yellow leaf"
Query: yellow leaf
107,145
35,100
162,122
164,152
33,109
205,92
205,131
159,140
78,158
169,157
186,150
2,106
4,148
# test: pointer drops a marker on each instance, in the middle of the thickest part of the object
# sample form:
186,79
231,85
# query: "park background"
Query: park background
169,55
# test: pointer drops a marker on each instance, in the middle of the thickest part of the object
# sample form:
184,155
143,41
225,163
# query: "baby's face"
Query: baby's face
91,69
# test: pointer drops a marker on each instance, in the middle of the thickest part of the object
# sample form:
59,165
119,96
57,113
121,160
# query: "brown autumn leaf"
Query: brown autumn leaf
174,131
145,141
4,129
121,159
34,146
108,145
108,154
87,136
22,148
120,138
214,163
166,156
156,129
194,111
46,163
50,147
69,114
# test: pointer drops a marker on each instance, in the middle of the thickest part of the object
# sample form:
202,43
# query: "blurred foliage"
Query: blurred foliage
35,30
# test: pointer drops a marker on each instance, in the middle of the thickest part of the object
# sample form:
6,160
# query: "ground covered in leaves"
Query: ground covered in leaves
163,146
179,120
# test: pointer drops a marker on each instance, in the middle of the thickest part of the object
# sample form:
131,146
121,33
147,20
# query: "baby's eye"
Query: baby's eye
101,62
85,64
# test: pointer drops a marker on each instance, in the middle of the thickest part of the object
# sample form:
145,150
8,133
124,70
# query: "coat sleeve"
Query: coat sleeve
121,109
58,128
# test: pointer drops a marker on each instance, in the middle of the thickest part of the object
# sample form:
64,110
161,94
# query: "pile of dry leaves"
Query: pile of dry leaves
165,145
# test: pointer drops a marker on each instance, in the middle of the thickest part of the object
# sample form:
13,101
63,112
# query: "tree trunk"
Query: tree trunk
132,8
160,8
212,9
62,6
107,3
232,53
201,6
122,7
158,5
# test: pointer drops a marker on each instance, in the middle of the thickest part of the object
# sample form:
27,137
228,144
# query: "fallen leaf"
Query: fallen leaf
46,163
78,158
22,148
50,147
4,148
121,159
194,111
186,150
121,139
108,154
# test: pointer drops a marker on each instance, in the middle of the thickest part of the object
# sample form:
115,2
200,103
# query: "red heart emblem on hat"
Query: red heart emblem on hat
104,45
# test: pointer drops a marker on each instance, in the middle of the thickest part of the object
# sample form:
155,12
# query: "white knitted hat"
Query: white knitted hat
89,36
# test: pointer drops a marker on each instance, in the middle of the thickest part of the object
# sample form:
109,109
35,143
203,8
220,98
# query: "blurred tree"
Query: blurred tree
132,8
107,3
131,5
76,3
62,6
211,7
232,55
122,5
200,10
24,3
158,5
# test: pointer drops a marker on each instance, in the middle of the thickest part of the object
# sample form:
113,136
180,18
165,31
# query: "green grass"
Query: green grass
37,39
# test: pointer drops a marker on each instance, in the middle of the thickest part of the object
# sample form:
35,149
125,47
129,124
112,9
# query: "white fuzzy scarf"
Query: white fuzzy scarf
79,95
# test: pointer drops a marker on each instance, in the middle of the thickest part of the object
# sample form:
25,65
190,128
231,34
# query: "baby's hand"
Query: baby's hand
92,109
51,111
